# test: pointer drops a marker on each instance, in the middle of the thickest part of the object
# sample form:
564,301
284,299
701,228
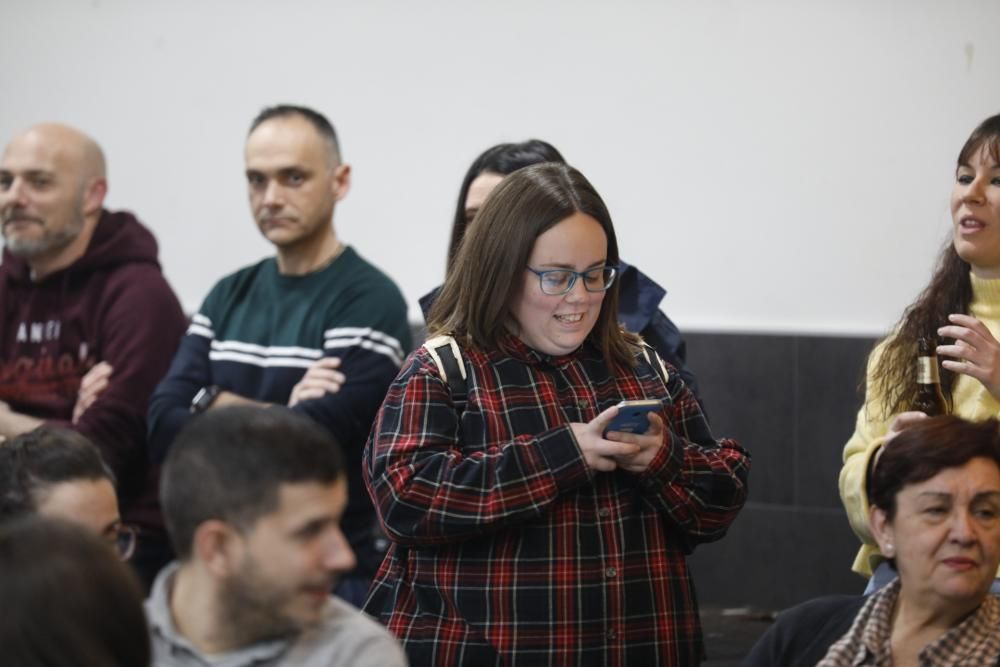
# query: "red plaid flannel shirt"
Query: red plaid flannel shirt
507,549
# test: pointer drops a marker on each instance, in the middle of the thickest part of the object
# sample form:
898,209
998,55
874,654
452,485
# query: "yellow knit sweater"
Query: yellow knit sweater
970,400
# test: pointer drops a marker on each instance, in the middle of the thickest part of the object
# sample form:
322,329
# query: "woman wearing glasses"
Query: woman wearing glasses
523,532
60,474
639,296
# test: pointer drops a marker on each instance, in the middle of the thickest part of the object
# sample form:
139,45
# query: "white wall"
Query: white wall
777,165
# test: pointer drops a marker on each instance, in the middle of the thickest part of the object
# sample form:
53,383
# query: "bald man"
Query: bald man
89,324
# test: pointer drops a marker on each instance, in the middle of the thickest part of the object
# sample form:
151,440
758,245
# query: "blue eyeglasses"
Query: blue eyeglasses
556,282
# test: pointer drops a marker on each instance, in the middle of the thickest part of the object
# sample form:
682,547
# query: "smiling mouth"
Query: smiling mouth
971,224
569,319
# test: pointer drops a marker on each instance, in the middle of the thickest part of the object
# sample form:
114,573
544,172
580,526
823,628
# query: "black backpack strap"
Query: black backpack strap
448,357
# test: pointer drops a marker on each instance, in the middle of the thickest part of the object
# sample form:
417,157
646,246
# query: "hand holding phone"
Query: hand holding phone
631,417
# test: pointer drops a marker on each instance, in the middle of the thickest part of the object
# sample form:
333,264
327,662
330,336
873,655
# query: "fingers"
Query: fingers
613,449
601,421
969,322
602,464
91,385
966,367
98,375
902,421
599,453
324,374
975,350
307,395
320,378
967,329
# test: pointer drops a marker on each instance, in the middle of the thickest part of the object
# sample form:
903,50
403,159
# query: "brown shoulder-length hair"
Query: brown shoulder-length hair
950,291
490,267
926,448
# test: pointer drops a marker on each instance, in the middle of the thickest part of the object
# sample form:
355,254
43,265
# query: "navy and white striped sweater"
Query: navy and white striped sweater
258,331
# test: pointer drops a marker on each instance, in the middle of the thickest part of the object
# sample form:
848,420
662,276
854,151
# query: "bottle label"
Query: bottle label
927,370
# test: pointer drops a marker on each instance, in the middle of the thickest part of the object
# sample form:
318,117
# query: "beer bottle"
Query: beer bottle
930,398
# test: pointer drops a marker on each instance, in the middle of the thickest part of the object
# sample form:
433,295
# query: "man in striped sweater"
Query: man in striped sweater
316,327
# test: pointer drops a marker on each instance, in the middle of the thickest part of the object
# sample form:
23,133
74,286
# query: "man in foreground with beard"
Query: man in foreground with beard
253,499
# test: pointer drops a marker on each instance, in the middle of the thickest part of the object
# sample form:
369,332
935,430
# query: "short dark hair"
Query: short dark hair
229,464
501,159
475,301
68,599
926,448
34,461
315,118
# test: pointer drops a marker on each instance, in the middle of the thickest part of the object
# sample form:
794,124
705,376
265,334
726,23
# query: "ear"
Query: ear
93,196
882,531
219,547
341,181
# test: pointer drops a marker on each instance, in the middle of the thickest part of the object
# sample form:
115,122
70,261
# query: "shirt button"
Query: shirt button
612,634
611,572
583,403
604,512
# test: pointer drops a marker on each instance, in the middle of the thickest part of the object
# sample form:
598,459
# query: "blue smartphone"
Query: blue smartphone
631,417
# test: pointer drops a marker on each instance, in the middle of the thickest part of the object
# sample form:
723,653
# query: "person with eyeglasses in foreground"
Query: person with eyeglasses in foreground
522,530
67,601
58,473
639,296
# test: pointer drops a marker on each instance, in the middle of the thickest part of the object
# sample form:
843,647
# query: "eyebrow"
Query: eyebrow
966,165
282,171
29,172
570,267
940,495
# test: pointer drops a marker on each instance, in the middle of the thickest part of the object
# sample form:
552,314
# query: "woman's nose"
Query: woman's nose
975,191
962,529
578,292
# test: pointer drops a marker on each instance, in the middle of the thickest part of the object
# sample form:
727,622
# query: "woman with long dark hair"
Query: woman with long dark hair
960,306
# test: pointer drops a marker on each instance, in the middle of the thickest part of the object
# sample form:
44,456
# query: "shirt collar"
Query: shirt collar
512,346
975,637
876,639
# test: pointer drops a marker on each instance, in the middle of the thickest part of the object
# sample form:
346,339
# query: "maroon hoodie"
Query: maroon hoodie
113,304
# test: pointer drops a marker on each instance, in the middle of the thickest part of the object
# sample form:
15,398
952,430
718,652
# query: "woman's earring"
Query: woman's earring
888,550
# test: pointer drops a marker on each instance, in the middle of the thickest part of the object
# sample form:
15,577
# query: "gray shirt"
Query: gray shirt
344,638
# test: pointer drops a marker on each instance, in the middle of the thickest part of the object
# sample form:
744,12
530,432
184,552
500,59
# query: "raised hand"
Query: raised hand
975,351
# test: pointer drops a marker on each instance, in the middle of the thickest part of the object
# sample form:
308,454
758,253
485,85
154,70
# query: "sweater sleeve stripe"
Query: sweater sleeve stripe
199,330
267,350
365,332
263,362
366,339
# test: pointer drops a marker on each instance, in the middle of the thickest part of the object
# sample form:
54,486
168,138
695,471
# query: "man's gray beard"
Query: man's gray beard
251,609
29,248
